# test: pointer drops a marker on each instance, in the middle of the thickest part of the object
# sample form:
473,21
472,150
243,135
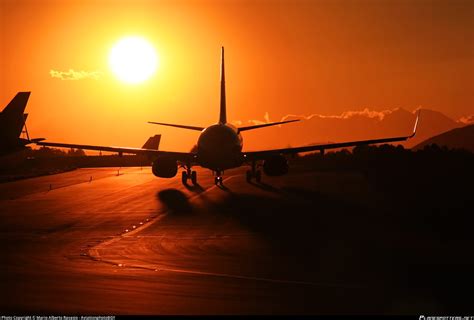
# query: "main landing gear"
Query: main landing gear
188,174
254,173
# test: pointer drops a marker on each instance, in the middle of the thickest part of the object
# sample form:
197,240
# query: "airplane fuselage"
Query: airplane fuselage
219,147
12,146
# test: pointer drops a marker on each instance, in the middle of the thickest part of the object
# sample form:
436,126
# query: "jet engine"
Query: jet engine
275,166
164,167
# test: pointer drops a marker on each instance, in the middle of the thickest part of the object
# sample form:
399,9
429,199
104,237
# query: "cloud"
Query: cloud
75,75
467,119
256,122
266,118
345,115
366,113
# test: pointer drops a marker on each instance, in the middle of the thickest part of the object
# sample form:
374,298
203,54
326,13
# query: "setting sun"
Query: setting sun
133,60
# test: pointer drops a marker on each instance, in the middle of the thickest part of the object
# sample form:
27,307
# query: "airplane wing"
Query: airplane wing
257,155
179,156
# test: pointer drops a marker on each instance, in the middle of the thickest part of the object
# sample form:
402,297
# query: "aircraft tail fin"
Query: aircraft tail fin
223,113
153,143
13,117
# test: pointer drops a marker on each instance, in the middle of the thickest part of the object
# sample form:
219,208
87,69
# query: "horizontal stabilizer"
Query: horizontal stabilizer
153,143
177,126
265,125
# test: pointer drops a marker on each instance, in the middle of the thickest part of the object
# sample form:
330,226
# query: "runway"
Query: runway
109,241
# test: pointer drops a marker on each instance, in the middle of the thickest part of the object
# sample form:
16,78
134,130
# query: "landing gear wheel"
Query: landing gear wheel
258,176
248,176
194,177
184,177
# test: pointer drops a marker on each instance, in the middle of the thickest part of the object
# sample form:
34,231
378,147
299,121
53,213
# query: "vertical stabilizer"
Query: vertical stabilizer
223,114
153,143
13,118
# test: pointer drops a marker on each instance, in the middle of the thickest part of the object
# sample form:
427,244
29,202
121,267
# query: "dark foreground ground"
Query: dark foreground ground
307,243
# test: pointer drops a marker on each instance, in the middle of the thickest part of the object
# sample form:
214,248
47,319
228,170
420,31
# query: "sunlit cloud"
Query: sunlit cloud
266,119
380,115
256,122
467,119
346,115
75,75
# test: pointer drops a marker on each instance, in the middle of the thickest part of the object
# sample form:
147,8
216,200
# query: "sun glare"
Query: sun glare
133,60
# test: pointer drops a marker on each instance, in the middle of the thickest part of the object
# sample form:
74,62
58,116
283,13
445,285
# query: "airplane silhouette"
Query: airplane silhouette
219,147
12,122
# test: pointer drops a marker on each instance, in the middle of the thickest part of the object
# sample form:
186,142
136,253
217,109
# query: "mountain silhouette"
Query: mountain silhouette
459,138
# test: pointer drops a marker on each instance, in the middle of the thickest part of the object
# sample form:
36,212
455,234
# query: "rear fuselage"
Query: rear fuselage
10,141
219,147
9,146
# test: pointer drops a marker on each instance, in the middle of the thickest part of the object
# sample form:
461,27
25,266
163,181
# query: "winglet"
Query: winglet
222,114
416,124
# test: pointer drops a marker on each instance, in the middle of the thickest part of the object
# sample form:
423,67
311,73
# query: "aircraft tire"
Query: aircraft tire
184,177
248,176
258,176
194,177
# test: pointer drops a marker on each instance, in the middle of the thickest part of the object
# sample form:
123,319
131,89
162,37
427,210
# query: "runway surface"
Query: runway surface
91,241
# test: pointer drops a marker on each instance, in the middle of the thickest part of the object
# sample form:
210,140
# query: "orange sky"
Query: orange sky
299,57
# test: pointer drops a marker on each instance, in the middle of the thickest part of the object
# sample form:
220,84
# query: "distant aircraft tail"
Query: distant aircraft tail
12,118
153,143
